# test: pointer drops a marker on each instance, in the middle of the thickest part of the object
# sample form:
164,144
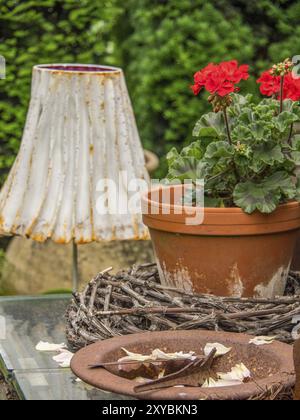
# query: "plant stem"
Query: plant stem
281,93
230,141
227,126
217,175
291,133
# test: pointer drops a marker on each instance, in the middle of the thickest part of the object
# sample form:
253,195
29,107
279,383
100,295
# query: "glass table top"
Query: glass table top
24,321
57,384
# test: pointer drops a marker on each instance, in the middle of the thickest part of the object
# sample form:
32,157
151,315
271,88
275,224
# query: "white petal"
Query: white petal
233,378
296,332
296,319
237,373
159,354
44,346
221,350
261,340
156,354
129,353
64,358
211,383
133,356
141,380
296,329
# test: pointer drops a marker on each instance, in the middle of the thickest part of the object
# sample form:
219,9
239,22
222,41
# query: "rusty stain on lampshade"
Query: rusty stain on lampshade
80,129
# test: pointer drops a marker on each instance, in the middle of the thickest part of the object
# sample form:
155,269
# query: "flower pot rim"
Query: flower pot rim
191,209
77,68
216,221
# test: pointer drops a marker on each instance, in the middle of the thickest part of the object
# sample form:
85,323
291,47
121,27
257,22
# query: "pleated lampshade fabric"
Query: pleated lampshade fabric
80,134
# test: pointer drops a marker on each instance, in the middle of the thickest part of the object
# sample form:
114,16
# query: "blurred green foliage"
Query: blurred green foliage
159,43
169,41
46,31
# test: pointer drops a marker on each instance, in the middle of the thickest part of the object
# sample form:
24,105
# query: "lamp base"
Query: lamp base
75,270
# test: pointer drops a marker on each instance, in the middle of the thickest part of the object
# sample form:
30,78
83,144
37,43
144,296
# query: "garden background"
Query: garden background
158,43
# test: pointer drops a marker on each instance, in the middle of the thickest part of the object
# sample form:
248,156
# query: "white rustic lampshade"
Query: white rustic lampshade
80,129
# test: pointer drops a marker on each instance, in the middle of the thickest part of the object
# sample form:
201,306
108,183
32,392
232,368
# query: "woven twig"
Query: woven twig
134,301
275,393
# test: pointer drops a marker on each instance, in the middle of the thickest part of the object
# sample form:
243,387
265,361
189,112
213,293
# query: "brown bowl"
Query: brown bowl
270,365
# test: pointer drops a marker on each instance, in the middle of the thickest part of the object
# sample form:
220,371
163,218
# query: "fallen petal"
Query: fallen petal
296,332
141,380
155,355
159,354
133,356
64,359
221,350
296,319
44,346
237,373
262,340
211,383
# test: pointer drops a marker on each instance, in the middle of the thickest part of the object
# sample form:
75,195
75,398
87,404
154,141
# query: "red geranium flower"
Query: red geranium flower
234,72
220,78
201,77
270,85
291,87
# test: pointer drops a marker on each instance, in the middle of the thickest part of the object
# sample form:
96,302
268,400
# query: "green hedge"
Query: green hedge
46,31
159,43
169,41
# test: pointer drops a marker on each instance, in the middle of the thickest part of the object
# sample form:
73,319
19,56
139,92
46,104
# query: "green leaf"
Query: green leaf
284,120
194,150
186,168
215,123
241,133
266,154
208,132
218,156
266,195
297,195
296,141
261,130
219,149
295,158
282,182
213,202
172,156
239,104
251,196
295,150
291,106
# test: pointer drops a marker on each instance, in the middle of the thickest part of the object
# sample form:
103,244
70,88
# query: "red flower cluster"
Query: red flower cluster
270,85
220,79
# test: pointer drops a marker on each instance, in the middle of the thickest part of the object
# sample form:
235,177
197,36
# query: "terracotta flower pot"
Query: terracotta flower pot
230,254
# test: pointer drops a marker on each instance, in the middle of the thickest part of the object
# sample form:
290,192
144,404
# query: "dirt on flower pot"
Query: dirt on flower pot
230,253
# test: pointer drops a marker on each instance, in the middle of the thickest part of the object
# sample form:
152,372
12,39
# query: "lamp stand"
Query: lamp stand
75,271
